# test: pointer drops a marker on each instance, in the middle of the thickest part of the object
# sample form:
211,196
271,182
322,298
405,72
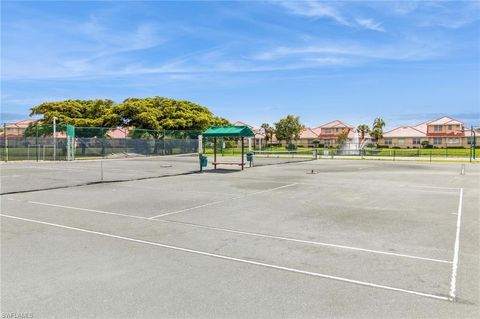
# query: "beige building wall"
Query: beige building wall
403,142
440,141
444,129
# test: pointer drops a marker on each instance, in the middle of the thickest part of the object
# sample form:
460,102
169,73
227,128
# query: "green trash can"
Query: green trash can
203,161
250,157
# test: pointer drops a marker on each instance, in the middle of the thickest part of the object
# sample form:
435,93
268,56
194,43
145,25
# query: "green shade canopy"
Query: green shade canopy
228,131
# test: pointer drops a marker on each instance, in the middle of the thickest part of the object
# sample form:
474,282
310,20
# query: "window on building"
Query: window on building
326,142
416,141
437,140
450,127
328,130
470,140
437,128
453,141
401,141
337,129
388,141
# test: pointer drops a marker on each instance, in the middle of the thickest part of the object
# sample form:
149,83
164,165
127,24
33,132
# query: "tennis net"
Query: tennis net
261,158
18,177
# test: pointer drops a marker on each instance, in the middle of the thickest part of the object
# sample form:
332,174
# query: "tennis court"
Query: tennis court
316,238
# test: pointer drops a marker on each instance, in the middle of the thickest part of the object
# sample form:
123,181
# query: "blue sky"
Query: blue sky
254,61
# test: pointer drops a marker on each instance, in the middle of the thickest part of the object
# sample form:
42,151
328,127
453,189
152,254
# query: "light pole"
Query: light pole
54,138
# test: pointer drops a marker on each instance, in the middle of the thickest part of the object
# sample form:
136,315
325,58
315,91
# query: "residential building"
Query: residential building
328,133
259,140
446,132
17,129
307,138
441,133
405,136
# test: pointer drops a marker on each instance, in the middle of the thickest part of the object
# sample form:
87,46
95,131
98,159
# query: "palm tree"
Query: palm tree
378,123
268,131
363,129
377,128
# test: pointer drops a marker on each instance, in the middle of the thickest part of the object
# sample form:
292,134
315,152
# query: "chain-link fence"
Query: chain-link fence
41,143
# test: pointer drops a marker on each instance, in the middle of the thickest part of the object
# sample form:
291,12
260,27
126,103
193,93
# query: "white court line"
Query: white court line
191,208
245,261
322,183
453,280
176,190
222,201
246,233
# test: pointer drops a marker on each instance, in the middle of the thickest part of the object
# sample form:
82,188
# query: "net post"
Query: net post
200,149
242,152
215,153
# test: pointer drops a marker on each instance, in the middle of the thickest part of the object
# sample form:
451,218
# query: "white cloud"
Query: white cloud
88,48
350,52
370,24
312,8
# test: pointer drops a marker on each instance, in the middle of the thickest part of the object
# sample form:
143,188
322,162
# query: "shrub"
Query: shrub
291,147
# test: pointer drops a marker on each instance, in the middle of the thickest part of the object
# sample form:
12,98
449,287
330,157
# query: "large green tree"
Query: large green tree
159,113
91,117
288,129
93,114
155,113
81,113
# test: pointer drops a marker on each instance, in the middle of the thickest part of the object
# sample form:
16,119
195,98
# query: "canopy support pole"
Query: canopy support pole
215,153
242,153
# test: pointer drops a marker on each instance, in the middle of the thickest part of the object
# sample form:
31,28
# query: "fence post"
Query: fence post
125,141
36,141
164,132
5,142
394,154
54,138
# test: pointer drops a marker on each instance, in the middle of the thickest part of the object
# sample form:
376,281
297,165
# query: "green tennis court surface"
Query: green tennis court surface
312,239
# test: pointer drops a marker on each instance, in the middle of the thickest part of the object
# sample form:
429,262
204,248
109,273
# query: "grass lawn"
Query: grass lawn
24,153
434,152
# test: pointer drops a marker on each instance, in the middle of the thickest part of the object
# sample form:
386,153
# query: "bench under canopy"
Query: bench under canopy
227,131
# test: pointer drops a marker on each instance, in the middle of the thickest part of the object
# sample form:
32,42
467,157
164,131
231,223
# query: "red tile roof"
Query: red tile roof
445,120
335,124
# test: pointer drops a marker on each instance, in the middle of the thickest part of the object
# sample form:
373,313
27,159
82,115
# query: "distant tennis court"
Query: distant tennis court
154,238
